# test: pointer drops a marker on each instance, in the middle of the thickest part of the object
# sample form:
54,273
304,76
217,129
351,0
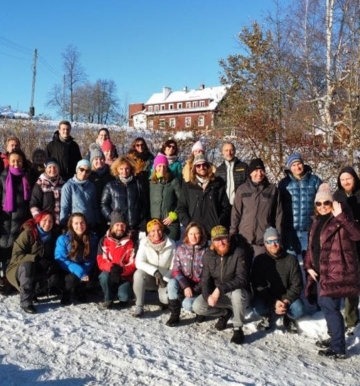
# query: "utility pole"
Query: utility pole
32,108
63,97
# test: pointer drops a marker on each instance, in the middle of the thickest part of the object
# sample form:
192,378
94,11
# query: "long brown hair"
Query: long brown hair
194,224
79,244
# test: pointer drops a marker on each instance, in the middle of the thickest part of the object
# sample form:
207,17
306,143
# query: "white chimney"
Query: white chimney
202,86
185,89
166,92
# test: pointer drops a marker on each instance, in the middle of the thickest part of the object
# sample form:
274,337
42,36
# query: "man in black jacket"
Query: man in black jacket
232,170
277,284
224,283
203,199
65,150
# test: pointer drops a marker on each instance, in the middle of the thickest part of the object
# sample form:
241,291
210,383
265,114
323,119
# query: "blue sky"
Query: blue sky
142,45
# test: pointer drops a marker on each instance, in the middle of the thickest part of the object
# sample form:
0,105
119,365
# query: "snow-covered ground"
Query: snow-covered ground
81,345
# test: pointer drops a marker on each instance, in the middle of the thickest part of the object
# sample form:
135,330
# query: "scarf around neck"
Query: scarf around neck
44,236
158,247
125,180
9,201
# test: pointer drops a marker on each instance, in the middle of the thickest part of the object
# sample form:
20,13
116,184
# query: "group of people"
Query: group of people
70,222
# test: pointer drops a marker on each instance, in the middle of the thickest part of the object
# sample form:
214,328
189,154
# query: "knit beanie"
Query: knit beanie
116,216
256,163
83,162
200,159
160,159
271,232
152,223
96,152
51,161
107,145
324,193
38,151
295,157
197,146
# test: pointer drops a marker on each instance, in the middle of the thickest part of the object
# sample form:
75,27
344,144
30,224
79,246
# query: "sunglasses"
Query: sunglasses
172,146
271,242
139,145
325,203
86,171
202,166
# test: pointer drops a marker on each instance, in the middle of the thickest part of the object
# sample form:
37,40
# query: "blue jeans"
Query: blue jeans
295,310
174,290
335,322
124,290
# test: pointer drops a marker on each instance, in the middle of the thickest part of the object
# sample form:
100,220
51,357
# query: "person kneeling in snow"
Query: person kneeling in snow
116,260
277,284
33,269
153,261
225,280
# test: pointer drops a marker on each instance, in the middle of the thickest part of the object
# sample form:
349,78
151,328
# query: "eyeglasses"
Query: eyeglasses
172,146
140,145
325,203
202,166
272,242
86,171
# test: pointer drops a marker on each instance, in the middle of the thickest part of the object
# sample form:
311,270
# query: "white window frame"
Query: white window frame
156,108
201,121
172,123
188,105
162,123
202,103
195,104
150,124
187,121
150,108
179,105
171,106
162,107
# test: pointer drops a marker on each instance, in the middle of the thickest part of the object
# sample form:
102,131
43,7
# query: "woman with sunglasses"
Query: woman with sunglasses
170,150
332,265
79,195
141,156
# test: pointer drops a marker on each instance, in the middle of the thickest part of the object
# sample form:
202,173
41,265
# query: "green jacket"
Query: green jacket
26,248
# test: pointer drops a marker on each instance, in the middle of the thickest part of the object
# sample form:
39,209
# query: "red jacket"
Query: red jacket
339,263
112,251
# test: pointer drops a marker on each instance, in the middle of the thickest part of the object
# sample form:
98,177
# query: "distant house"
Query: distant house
184,109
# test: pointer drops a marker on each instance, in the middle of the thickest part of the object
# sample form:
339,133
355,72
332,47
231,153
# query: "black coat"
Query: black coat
227,273
276,278
209,207
10,222
239,172
66,153
129,199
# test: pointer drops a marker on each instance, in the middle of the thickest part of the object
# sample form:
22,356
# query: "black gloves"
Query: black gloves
115,273
159,279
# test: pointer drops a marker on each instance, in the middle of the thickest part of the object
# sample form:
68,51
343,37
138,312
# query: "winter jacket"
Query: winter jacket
80,267
227,273
276,277
188,265
26,248
297,197
339,263
67,153
150,261
10,222
239,172
79,197
100,179
209,207
121,252
130,199
46,195
176,170
163,199
256,207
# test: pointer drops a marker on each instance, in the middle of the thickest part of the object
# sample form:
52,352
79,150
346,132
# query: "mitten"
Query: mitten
159,279
115,273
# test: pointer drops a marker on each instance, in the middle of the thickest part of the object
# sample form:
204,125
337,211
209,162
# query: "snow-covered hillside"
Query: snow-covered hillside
81,345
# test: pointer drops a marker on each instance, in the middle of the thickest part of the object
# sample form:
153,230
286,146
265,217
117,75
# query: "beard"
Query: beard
222,251
118,235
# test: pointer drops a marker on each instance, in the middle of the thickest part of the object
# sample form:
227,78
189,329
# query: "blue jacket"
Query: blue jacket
79,267
297,197
79,198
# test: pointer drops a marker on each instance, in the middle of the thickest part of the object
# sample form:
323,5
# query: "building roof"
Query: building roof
215,94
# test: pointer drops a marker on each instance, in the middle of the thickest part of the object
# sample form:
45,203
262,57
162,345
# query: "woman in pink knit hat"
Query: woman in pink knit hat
164,194
197,149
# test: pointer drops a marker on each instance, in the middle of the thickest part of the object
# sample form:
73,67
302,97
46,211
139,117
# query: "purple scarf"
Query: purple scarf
9,188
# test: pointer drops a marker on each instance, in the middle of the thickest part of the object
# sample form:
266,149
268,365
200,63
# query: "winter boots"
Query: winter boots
175,308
